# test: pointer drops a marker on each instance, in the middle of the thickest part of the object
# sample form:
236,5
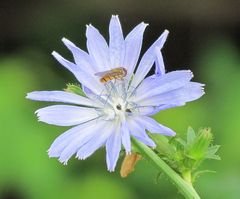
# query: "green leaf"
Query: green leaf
199,173
181,141
73,88
163,147
191,135
214,157
158,176
213,149
211,152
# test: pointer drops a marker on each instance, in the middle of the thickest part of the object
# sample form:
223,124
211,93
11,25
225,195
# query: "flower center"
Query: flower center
114,98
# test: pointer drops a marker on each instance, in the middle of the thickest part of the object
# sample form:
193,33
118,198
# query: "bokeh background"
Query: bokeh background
204,37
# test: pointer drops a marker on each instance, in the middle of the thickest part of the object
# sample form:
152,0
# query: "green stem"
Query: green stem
187,176
184,187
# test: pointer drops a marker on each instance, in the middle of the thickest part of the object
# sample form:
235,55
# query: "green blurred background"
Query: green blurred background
204,37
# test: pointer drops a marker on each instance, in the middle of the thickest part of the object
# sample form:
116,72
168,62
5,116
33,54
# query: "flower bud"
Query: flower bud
197,150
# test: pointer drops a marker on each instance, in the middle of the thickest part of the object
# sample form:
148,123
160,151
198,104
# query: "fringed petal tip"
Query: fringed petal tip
111,169
90,27
202,85
38,115
115,17
165,35
29,95
199,86
55,54
144,24
165,31
81,157
153,145
67,42
33,96
149,143
64,162
187,71
172,134
191,73
52,154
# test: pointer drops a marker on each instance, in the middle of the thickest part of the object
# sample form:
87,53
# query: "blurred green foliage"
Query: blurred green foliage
27,172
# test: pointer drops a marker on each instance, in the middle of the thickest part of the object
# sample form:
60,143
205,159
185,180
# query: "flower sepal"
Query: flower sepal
74,88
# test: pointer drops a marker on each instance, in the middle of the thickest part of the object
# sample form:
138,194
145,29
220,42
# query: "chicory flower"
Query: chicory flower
110,112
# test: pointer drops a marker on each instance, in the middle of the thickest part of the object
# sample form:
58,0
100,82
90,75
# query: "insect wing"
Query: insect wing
103,73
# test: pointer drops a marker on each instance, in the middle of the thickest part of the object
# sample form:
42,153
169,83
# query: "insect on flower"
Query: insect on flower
116,73
119,106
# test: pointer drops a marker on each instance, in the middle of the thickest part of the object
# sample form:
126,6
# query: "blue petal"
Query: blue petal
98,49
89,93
113,147
160,67
165,83
87,80
81,58
148,60
146,110
96,141
116,43
126,141
133,45
60,96
152,110
64,140
138,131
154,127
191,91
67,64
66,115
87,133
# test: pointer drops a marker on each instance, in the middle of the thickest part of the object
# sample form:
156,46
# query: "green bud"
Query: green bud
197,146
72,88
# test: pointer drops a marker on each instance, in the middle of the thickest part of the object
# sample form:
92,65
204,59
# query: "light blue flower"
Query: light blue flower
111,113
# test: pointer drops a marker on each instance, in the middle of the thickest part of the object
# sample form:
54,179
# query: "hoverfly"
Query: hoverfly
115,73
